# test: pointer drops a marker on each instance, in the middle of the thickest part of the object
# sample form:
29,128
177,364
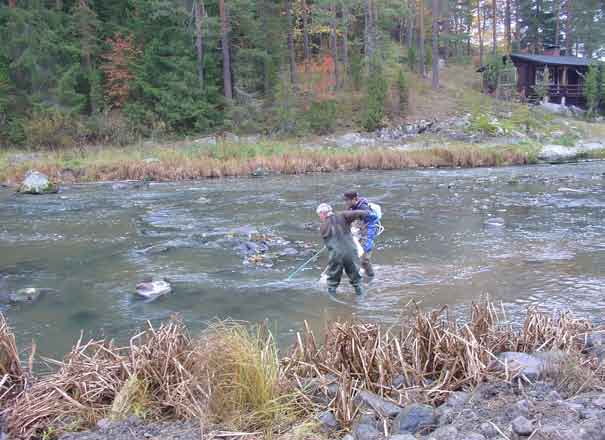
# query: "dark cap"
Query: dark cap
350,195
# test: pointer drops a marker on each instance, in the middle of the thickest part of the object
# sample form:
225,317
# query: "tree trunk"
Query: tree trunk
369,30
291,54
85,19
225,43
537,41
59,5
410,25
345,43
480,32
507,26
263,8
199,41
401,31
435,40
12,3
494,28
421,57
568,27
305,25
334,44
518,21
557,22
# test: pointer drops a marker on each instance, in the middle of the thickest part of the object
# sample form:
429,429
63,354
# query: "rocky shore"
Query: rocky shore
493,410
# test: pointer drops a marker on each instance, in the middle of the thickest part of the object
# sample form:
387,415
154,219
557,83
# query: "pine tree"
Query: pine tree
435,44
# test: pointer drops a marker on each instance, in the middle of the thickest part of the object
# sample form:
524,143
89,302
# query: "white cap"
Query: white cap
324,208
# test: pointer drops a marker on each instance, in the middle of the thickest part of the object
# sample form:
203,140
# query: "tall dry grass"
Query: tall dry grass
152,377
13,376
202,165
431,354
246,385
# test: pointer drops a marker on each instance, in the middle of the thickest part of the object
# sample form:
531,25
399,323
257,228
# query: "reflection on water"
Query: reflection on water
529,236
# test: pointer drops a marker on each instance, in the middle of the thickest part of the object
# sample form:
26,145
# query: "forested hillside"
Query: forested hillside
112,71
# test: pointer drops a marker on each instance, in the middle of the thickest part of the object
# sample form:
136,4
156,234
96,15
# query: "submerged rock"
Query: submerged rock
37,183
251,247
153,289
29,294
154,250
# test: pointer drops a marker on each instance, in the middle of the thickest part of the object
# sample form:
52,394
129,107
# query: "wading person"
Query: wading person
365,230
335,229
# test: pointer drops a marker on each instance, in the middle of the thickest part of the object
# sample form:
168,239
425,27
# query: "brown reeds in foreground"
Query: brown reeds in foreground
150,378
431,355
231,376
12,374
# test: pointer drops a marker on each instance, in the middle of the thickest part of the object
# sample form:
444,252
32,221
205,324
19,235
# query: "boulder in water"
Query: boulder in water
37,183
29,294
153,289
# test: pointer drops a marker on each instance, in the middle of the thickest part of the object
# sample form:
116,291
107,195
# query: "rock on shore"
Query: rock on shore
37,183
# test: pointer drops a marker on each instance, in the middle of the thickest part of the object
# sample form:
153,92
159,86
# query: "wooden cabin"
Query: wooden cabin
565,77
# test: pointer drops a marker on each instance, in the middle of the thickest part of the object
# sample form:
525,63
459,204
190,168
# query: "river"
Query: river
527,236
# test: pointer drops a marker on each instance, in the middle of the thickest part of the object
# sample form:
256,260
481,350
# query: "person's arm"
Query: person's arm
351,216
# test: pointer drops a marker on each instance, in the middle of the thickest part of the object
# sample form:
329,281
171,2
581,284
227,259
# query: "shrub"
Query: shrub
286,107
591,89
482,123
374,101
245,377
52,129
111,128
322,116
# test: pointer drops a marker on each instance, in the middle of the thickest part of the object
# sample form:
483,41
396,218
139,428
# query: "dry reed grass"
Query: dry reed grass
293,161
13,377
97,379
232,375
433,354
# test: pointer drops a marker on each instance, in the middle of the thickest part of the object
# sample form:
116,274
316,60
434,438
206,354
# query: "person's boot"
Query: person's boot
332,290
358,290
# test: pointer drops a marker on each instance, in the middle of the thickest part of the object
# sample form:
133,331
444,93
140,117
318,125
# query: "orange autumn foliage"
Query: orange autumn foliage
118,70
319,79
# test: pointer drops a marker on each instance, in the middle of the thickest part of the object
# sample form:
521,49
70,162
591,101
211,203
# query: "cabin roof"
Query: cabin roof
551,59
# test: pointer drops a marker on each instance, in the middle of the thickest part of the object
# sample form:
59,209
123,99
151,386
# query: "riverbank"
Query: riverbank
429,377
241,159
466,140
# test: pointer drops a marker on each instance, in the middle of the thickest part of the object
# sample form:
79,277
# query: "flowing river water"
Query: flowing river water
528,236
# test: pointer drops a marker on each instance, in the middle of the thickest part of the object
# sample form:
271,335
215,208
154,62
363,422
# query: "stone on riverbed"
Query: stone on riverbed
29,294
153,289
37,183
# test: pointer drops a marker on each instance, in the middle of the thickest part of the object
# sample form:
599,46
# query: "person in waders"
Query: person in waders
335,229
365,230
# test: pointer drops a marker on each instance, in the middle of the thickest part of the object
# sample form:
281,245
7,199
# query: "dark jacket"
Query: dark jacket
336,233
